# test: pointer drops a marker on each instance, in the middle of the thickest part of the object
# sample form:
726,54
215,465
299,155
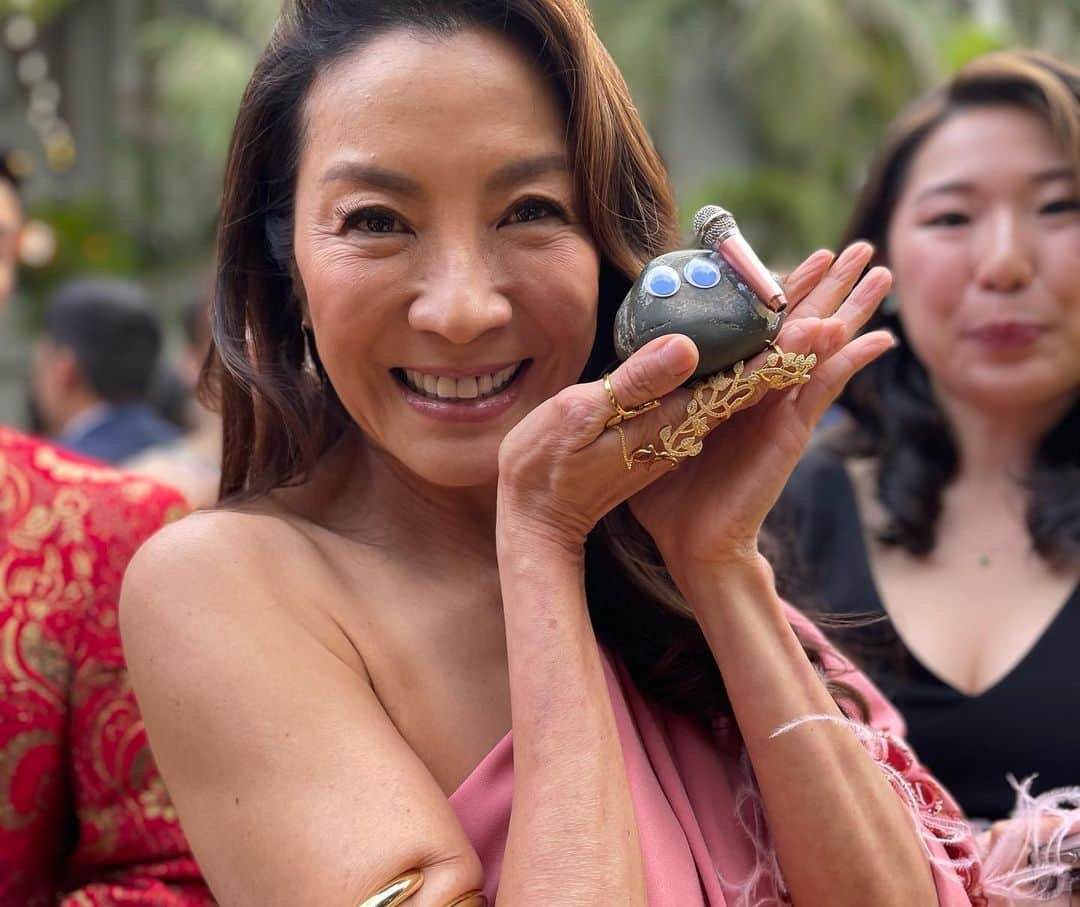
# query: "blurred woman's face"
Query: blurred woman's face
984,245
448,280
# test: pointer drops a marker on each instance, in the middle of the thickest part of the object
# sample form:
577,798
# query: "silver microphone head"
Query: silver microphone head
713,224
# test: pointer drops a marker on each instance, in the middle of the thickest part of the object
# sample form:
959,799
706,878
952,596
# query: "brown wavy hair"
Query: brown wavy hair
897,419
280,412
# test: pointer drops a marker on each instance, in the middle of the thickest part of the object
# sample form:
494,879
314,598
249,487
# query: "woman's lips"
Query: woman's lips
1005,336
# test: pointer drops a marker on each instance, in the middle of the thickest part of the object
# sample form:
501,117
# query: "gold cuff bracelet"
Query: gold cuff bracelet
407,884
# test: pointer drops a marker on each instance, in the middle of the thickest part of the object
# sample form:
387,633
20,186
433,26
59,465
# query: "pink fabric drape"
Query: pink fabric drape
702,832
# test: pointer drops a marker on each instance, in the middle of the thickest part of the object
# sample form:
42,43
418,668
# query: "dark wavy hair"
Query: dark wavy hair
280,412
896,418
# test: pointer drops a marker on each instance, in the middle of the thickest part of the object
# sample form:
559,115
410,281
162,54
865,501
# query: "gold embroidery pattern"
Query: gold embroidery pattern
32,664
63,470
14,492
71,737
12,757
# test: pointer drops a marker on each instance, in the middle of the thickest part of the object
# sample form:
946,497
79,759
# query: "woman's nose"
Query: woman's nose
1005,258
459,300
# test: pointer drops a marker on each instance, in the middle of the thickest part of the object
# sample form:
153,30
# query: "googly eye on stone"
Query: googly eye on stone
662,281
703,273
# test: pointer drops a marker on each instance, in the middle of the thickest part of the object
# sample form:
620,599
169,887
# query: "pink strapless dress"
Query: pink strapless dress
703,834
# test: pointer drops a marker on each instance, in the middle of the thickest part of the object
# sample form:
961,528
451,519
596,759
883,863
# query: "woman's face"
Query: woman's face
448,279
984,245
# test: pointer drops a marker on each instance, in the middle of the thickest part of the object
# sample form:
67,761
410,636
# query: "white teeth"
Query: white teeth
500,378
460,388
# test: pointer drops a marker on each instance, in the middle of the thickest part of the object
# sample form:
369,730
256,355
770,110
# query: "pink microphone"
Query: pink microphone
716,229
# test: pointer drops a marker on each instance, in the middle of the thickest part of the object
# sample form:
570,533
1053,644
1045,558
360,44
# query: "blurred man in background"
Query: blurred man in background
191,464
92,369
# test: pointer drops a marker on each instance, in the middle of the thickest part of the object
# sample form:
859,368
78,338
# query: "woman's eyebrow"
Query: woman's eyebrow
506,176
946,188
372,175
515,172
963,186
1053,174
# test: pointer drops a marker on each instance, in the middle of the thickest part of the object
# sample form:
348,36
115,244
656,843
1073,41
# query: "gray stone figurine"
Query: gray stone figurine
697,293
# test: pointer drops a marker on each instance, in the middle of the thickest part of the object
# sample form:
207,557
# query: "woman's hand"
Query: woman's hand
561,469
711,509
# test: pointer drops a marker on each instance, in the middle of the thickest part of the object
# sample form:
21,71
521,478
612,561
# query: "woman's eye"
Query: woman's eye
1061,206
371,220
948,219
534,209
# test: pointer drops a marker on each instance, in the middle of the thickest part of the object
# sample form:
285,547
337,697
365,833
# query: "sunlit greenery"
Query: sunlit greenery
41,11
814,83
806,85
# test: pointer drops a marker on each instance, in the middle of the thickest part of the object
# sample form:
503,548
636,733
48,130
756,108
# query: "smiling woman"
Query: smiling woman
435,631
958,483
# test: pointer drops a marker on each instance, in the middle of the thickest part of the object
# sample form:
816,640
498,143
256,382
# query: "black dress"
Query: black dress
1027,723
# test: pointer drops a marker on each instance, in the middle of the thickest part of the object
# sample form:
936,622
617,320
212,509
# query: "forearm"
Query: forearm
841,834
573,837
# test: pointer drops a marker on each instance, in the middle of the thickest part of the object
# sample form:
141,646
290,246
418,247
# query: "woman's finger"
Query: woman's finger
836,370
651,373
806,276
798,335
864,300
827,296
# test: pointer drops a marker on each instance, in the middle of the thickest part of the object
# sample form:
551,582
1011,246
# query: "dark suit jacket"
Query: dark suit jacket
123,431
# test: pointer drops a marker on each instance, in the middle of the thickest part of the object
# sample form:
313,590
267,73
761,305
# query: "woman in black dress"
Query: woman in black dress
950,507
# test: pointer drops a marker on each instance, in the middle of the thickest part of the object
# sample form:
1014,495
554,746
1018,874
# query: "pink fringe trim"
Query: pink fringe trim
1029,860
763,885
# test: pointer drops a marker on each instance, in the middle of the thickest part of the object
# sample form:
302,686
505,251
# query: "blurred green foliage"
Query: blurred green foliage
808,87
41,11
193,59
90,240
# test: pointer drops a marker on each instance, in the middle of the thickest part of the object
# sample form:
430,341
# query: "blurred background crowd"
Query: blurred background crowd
115,116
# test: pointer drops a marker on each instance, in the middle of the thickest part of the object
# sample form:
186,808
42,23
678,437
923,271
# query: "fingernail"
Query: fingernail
895,340
678,355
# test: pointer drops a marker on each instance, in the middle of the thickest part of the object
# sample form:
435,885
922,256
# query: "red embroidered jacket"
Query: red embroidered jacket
85,820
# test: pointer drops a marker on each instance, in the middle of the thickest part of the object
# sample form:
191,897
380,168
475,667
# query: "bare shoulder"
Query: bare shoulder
211,576
266,727
239,542
248,551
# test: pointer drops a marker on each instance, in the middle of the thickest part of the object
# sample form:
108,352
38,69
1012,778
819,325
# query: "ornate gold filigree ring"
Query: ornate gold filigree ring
716,399
622,414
